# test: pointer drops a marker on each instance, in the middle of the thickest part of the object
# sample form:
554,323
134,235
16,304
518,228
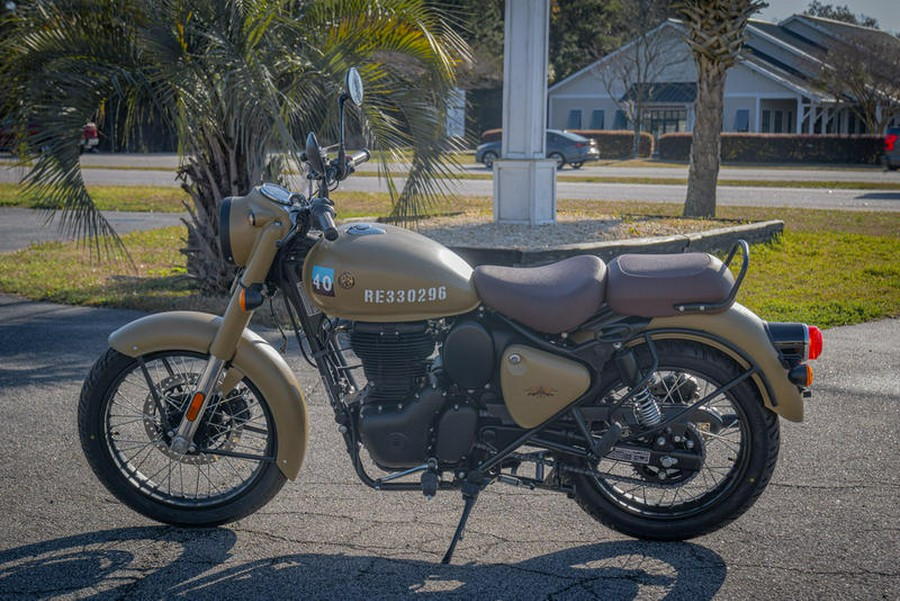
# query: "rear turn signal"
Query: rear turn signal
816,342
801,375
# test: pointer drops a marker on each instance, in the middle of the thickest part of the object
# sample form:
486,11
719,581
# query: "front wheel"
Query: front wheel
127,414
725,451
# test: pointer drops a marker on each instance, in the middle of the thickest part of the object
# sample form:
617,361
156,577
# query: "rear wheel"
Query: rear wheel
126,430
727,449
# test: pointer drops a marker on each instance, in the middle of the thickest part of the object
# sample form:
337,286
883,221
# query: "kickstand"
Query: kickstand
470,490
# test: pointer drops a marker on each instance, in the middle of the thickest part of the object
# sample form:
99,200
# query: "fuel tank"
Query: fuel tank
383,273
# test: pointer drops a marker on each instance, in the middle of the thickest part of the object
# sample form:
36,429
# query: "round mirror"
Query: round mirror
354,85
314,154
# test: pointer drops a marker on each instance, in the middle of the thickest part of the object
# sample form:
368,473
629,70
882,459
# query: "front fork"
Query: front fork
244,300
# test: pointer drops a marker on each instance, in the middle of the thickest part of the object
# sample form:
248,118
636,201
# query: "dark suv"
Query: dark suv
892,149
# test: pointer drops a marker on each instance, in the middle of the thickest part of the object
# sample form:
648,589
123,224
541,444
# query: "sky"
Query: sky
886,11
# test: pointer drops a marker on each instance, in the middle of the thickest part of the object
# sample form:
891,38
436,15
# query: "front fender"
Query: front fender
254,358
740,334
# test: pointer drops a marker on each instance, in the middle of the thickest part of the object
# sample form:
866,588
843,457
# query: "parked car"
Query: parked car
562,146
90,135
892,149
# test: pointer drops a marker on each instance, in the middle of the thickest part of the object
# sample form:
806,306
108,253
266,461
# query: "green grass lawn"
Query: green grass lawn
830,268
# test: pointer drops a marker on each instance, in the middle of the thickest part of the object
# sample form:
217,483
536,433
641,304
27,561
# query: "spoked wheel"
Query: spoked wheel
697,475
126,430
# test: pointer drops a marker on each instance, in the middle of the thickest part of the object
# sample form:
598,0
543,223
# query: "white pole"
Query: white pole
524,180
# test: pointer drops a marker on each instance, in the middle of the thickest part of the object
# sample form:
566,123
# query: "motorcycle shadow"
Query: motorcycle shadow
163,562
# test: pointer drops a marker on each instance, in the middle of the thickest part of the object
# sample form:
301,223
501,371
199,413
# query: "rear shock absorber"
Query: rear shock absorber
645,407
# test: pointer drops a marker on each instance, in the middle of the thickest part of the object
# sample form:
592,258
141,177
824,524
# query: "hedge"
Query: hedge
782,148
612,144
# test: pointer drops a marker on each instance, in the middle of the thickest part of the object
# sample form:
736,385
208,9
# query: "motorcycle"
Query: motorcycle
638,388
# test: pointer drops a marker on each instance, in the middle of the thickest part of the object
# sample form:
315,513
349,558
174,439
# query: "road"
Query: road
826,527
154,172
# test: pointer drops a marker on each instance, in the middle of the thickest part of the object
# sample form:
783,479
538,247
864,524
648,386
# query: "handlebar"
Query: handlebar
360,157
322,210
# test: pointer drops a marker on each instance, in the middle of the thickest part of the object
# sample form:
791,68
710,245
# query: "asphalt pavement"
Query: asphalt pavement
826,528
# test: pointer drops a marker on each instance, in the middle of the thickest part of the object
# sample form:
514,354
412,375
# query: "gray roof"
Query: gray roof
808,55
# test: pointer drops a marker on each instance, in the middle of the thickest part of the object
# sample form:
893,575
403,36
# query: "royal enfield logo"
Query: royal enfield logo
346,280
540,391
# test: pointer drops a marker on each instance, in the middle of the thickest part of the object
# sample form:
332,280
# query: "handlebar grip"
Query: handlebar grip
360,157
323,213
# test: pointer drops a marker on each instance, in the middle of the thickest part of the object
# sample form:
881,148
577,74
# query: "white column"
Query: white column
757,119
799,117
524,181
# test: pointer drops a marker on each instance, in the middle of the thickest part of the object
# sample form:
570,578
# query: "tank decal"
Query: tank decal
322,280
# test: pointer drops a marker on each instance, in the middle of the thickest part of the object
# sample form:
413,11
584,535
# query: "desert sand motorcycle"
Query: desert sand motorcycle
639,388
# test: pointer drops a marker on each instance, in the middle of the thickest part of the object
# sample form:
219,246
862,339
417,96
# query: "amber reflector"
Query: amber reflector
194,408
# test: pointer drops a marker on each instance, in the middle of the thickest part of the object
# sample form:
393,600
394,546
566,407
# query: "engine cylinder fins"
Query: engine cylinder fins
394,356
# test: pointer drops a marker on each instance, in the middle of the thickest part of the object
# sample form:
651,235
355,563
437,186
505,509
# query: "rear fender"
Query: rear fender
740,334
254,358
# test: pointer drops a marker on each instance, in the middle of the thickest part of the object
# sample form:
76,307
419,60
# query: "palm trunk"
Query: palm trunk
705,145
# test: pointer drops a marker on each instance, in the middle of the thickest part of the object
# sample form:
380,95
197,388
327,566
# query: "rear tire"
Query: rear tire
126,442
736,465
488,159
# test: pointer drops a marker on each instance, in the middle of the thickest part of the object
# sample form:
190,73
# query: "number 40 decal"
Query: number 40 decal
323,280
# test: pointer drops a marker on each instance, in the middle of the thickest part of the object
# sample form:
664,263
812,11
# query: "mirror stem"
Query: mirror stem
342,154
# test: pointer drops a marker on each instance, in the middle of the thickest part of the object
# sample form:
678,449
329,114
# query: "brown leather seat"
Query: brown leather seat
551,299
653,285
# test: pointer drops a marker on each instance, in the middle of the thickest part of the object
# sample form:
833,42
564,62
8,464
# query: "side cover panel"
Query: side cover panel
537,384
254,358
748,342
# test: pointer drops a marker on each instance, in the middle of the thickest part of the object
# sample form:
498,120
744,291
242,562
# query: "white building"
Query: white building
770,89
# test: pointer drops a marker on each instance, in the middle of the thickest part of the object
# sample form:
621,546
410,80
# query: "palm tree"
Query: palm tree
239,83
715,36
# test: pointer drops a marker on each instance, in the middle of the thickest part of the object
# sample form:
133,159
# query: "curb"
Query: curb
721,240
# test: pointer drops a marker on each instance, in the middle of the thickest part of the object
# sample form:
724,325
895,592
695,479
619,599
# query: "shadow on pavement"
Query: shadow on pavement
164,562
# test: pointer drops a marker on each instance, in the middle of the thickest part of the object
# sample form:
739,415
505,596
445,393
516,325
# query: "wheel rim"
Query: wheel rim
489,159
234,439
560,161
725,456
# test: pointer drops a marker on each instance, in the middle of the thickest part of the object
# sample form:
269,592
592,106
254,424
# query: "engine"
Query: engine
411,410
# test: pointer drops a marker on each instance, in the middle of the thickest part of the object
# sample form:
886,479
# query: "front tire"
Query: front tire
736,461
126,439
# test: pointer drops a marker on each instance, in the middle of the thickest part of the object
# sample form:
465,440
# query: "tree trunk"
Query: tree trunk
705,144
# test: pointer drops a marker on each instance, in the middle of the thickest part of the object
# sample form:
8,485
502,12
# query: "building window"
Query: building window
597,119
790,122
620,121
766,121
742,120
778,124
574,121
662,121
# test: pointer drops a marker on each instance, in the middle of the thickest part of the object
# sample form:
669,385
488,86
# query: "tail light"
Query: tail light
580,144
816,342
890,140
797,343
